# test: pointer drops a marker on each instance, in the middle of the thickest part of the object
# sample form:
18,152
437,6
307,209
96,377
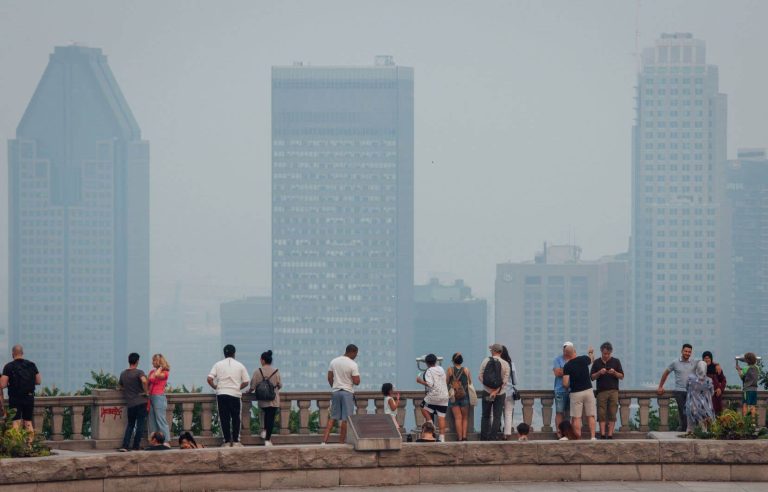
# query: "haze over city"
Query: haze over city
522,120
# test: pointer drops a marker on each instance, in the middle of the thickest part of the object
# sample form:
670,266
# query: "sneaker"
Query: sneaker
122,450
593,439
226,445
263,434
237,444
441,438
323,443
609,437
268,443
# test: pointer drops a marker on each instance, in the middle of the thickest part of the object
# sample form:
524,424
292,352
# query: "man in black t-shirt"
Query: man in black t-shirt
576,377
133,382
607,371
21,376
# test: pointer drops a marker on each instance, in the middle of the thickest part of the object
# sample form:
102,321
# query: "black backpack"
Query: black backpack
265,390
22,380
492,374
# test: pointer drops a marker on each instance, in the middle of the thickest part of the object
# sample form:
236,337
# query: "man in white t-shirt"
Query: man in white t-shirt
343,376
436,401
228,377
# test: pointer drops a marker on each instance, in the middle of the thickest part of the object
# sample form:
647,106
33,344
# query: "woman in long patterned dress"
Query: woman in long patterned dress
698,405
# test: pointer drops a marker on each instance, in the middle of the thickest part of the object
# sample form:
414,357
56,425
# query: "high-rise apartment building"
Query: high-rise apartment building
448,319
679,149
747,223
247,324
342,220
79,223
559,297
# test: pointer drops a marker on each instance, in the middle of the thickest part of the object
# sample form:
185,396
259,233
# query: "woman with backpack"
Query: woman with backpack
458,379
265,386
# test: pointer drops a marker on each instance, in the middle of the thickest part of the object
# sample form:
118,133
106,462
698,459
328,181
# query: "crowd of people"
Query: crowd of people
698,391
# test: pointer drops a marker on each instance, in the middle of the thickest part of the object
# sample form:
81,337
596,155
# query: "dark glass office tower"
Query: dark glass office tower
342,221
79,223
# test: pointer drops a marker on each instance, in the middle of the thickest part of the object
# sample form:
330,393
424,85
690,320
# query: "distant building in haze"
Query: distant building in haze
447,319
747,188
247,324
679,150
79,223
342,220
559,297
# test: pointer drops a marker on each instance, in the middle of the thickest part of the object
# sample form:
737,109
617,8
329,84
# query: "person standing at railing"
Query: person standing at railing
682,367
494,375
577,379
698,405
228,377
750,376
158,404
436,400
20,376
343,376
607,371
459,379
134,385
562,402
265,385
716,374
509,390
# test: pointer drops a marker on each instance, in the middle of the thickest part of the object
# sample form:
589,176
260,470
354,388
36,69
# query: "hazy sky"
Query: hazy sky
523,115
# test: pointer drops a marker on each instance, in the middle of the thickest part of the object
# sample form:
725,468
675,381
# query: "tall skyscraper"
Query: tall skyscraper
247,324
679,149
448,319
342,220
747,223
79,223
559,297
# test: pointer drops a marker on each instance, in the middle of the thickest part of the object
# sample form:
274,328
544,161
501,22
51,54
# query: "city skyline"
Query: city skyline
469,221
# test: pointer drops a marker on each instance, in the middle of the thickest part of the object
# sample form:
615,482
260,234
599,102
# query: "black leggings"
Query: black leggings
269,420
229,415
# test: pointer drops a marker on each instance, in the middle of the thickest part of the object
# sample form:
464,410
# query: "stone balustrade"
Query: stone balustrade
97,420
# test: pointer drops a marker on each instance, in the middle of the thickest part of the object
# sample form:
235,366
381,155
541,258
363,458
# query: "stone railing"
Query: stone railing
97,420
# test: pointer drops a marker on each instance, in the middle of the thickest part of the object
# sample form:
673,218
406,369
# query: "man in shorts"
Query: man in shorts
561,393
436,400
607,371
576,377
21,376
343,376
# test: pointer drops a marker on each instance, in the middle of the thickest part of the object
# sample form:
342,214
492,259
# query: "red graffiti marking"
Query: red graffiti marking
114,411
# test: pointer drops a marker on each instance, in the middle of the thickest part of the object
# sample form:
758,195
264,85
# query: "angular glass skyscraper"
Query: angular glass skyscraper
79,223
679,150
342,221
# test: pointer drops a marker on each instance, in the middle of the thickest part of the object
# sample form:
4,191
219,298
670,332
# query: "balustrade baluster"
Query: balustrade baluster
378,404
57,422
285,415
624,408
527,402
546,413
663,403
418,417
304,416
39,416
323,406
169,417
245,416
401,409
761,412
645,407
361,404
471,419
187,410
77,422
206,417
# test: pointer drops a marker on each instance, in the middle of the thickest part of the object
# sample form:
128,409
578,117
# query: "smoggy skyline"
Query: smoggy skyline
523,116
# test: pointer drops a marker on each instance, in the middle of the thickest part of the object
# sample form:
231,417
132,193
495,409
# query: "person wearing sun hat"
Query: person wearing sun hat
562,403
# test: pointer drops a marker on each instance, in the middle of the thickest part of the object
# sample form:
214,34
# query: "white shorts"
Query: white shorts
583,402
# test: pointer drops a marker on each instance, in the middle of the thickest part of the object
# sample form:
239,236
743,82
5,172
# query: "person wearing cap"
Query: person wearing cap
562,402
436,400
493,402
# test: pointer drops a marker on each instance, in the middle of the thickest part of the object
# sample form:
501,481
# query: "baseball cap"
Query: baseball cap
567,344
496,347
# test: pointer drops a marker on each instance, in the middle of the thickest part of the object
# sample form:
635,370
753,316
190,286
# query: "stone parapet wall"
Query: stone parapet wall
334,465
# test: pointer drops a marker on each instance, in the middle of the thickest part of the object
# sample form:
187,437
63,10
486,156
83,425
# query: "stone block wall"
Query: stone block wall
253,468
